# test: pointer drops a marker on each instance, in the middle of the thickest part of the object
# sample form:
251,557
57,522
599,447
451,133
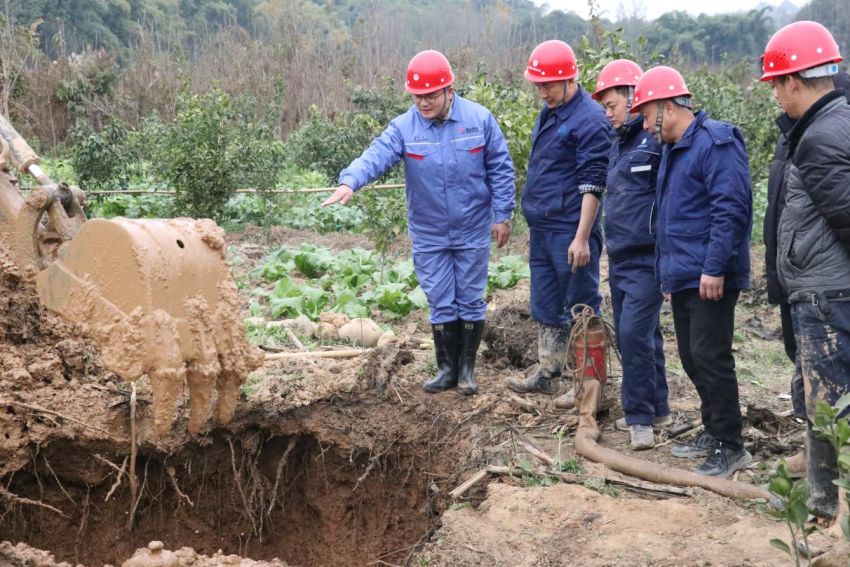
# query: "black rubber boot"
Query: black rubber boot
470,340
447,349
821,470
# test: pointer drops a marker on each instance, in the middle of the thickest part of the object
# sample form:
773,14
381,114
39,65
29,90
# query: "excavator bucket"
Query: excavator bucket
155,295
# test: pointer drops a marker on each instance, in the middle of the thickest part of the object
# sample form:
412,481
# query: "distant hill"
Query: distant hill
782,14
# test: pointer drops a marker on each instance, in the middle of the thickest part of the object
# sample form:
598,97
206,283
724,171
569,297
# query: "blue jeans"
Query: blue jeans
636,299
555,289
822,329
453,281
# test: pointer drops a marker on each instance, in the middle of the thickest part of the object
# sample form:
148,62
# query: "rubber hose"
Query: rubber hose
587,447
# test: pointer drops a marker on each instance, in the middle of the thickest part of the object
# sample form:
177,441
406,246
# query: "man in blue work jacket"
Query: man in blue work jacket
565,182
630,240
460,188
705,214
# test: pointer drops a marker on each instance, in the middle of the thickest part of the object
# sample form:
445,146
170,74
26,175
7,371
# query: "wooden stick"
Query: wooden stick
168,192
506,471
638,484
351,353
51,412
472,481
583,478
294,339
524,403
683,428
538,453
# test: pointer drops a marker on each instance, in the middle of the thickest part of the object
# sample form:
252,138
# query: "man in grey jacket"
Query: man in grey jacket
813,236
776,295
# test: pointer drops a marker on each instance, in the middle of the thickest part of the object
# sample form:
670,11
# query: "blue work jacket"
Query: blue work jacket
705,207
630,198
459,174
569,156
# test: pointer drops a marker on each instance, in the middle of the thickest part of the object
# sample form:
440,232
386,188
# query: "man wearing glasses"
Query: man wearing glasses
460,189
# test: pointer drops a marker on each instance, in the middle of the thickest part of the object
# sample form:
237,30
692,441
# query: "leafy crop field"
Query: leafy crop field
311,279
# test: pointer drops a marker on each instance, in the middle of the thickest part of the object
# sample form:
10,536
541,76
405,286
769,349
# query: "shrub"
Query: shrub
103,160
327,145
211,148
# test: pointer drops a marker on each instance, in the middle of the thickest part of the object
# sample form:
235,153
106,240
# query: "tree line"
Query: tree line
69,68
118,25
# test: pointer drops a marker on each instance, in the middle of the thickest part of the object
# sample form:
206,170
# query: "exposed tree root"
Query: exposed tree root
46,411
118,479
281,463
19,500
133,452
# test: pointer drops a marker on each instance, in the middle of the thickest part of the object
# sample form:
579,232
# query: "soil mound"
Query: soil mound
41,355
511,337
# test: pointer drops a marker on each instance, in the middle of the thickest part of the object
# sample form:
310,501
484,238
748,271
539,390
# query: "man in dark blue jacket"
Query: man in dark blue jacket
564,184
630,239
704,204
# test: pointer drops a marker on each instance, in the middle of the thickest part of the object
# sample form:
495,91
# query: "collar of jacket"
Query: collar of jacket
785,123
688,137
809,116
567,108
631,128
842,81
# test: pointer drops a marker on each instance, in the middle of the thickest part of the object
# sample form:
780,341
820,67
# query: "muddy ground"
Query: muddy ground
348,462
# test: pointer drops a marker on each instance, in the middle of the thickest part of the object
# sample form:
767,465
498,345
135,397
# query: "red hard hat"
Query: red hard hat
619,73
552,60
427,72
659,83
797,47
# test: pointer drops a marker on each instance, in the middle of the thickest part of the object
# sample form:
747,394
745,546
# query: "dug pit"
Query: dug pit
308,491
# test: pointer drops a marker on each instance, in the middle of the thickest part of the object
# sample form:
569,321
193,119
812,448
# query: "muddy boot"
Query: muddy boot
821,470
447,349
551,350
470,340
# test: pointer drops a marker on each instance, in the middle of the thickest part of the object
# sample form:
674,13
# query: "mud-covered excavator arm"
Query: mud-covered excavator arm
155,295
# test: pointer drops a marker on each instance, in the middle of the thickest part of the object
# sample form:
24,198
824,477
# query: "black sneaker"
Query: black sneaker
699,446
722,461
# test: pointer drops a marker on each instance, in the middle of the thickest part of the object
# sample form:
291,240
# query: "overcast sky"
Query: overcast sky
651,9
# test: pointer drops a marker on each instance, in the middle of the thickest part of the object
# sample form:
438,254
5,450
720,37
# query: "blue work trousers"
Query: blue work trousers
453,281
555,289
636,299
